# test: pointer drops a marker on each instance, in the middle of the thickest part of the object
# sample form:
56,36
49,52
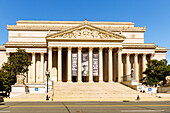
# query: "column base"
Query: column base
69,81
101,81
59,82
79,82
91,81
111,82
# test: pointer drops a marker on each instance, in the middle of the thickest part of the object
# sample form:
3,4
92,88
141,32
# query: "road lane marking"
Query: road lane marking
135,111
81,105
5,111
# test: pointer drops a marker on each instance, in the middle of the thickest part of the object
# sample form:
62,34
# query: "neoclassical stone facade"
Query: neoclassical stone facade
81,51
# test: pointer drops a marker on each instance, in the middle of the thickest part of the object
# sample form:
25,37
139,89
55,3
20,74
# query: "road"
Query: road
85,107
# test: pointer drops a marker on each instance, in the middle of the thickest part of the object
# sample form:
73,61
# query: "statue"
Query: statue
19,87
168,80
20,79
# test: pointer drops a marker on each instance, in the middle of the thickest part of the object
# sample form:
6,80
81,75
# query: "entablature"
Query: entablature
25,44
139,46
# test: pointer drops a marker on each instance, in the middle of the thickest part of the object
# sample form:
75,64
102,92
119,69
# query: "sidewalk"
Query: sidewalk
160,97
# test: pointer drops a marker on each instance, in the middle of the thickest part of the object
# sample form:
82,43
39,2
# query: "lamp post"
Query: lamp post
132,77
47,74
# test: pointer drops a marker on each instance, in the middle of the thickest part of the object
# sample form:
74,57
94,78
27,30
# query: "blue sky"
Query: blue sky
154,14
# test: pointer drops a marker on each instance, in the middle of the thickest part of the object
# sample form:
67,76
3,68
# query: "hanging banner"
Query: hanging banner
95,64
85,64
74,64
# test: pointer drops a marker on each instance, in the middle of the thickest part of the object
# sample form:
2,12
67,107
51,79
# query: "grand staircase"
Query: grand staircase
95,92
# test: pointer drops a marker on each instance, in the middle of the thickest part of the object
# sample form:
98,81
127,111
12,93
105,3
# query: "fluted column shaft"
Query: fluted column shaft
90,65
115,65
42,68
120,70
69,65
59,64
33,68
110,66
79,65
50,61
136,68
128,67
100,64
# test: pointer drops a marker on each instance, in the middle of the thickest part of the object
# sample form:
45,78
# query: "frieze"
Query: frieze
85,33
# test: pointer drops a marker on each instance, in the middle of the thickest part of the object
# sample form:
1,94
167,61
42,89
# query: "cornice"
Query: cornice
73,22
161,49
60,28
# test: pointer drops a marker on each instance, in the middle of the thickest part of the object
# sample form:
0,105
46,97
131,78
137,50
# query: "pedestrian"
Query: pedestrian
138,98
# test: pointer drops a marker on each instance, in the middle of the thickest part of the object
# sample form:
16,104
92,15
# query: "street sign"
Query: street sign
149,89
36,89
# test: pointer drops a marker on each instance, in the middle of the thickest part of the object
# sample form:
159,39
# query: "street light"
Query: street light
47,74
132,70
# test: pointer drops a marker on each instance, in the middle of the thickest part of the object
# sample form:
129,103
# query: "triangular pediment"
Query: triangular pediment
85,31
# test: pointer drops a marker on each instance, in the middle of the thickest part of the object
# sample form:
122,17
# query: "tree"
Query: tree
156,72
17,64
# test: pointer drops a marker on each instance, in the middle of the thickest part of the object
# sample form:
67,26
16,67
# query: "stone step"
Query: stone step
95,90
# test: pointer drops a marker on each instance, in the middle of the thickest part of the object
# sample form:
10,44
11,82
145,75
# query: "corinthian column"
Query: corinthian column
33,68
110,65
69,65
59,64
128,67
136,68
152,56
120,70
79,65
90,65
115,65
42,68
144,63
100,64
7,55
50,61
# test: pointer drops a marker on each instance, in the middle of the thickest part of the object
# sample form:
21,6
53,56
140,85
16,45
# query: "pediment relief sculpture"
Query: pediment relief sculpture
86,33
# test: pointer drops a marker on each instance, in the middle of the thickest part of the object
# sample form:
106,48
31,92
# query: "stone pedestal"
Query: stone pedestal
19,87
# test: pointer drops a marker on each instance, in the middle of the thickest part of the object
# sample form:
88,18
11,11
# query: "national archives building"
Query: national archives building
81,51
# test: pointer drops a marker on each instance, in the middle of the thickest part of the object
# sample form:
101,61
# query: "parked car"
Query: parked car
1,99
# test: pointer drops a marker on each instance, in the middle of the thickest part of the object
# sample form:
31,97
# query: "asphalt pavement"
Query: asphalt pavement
85,107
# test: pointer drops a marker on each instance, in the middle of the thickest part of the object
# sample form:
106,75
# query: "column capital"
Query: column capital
69,48
136,54
59,47
144,54
110,48
42,53
79,48
128,54
100,48
49,47
152,54
7,53
119,49
91,48
33,53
